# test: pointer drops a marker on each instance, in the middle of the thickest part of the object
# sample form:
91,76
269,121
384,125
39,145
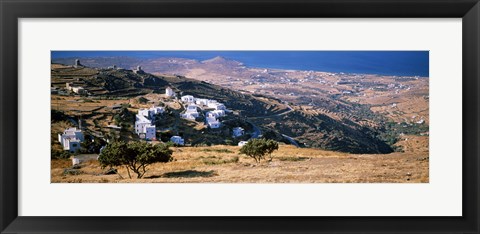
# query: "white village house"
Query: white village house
212,122
201,101
79,90
238,131
144,127
138,70
71,139
75,89
169,92
216,105
215,113
242,143
151,112
188,99
191,112
144,122
177,140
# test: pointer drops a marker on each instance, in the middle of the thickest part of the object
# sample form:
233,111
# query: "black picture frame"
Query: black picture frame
11,11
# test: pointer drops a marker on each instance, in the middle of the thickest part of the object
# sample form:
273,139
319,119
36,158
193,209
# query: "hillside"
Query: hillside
273,116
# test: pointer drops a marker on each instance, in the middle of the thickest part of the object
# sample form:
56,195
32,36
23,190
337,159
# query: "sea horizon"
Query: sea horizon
392,63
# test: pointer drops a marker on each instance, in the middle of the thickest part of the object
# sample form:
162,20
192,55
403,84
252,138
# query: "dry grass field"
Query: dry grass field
223,164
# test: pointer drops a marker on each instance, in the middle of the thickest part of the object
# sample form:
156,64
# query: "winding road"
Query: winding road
257,132
291,140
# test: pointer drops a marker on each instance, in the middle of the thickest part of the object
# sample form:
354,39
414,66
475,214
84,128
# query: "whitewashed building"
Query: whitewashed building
75,161
192,109
169,92
177,140
151,112
138,70
215,113
140,123
71,139
150,132
190,116
188,99
212,103
219,113
201,101
144,127
144,112
238,131
75,89
242,143
213,122
191,112
216,105
210,114
79,90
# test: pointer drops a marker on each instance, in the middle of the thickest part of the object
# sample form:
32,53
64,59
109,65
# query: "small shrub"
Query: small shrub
259,148
70,171
60,154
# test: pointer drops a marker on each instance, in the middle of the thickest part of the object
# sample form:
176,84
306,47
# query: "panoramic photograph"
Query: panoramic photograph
239,116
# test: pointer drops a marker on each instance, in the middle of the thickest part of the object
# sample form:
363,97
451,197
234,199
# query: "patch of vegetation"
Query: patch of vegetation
217,150
70,171
391,131
189,174
143,100
59,154
57,116
292,158
92,145
124,118
88,100
214,161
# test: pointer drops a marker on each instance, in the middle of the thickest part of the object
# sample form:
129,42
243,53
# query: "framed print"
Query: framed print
267,116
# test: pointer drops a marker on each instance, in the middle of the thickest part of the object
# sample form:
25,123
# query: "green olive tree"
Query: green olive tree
258,148
135,156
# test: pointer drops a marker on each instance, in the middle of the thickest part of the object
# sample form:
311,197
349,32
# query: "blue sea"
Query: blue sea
399,63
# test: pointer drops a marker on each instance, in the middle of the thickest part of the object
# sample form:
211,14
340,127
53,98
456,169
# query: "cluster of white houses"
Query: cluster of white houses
211,117
144,126
71,139
145,118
